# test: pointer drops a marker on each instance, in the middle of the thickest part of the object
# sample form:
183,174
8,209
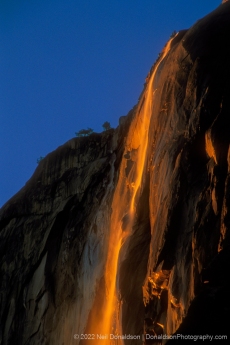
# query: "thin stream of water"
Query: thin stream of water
124,208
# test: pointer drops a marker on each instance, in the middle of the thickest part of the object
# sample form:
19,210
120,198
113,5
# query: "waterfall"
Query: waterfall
124,203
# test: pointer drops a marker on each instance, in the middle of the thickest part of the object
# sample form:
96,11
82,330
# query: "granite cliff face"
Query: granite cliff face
127,232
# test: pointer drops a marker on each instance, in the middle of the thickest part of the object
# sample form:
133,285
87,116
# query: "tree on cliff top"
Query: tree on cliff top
106,126
173,34
84,132
40,159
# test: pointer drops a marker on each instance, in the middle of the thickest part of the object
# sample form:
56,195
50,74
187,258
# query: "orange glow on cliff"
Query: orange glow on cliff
124,207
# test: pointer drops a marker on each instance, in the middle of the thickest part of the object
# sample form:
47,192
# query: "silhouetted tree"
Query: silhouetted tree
84,132
106,126
40,159
173,34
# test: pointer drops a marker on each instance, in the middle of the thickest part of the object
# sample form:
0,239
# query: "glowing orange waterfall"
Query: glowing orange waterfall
124,207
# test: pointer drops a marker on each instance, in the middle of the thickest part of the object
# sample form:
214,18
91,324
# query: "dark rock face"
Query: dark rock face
173,267
189,178
51,238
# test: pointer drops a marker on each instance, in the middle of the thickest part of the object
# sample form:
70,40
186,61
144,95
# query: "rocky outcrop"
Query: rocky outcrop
188,215
174,212
187,187
52,235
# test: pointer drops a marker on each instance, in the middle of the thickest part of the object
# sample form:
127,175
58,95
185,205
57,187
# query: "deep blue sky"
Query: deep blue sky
70,64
